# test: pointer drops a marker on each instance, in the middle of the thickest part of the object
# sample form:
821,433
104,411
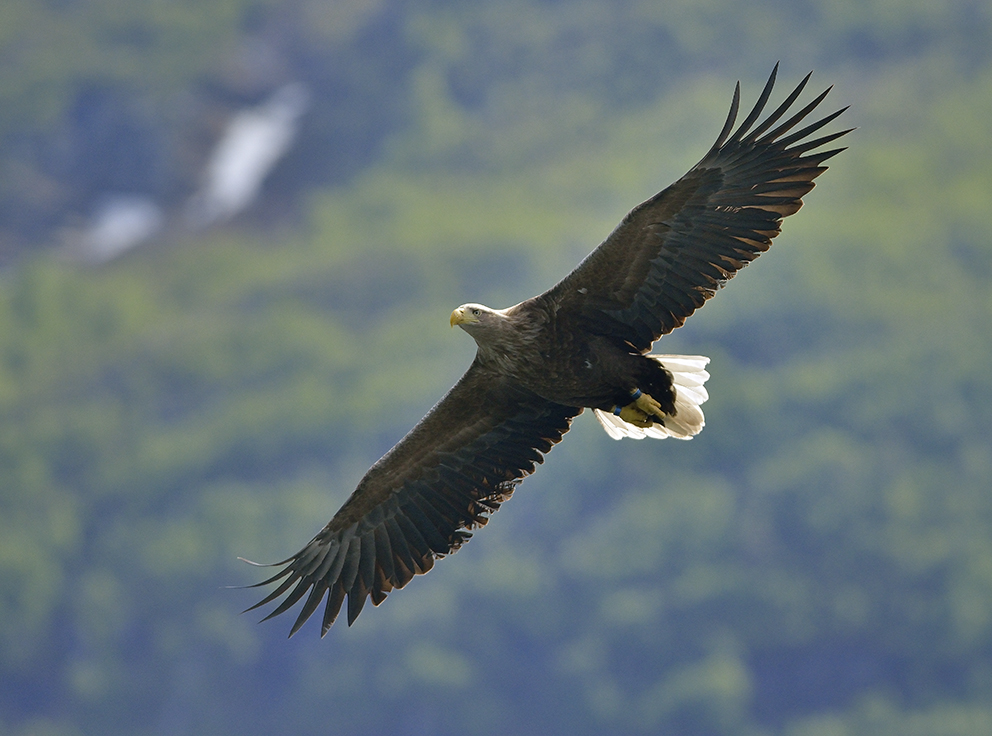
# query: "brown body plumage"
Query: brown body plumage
555,356
582,344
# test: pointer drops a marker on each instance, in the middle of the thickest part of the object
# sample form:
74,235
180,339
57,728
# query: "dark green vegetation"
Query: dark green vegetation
818,562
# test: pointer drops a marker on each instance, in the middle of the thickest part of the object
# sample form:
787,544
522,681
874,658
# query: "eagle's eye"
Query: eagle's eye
476,312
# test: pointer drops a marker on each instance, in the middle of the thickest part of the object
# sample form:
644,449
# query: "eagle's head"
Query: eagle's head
473,317
482,323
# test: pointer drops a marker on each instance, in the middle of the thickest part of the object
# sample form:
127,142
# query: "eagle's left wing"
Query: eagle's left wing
671,253
418,502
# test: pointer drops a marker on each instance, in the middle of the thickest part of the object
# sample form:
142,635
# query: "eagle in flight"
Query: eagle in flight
584,343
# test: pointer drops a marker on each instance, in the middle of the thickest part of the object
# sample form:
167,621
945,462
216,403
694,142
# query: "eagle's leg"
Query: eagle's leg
632,415
647,404
641,410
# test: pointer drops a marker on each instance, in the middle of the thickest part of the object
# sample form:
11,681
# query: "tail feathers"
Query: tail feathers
688,374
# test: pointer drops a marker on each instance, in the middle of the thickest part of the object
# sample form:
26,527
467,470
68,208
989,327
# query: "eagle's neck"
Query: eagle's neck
501,356
512,342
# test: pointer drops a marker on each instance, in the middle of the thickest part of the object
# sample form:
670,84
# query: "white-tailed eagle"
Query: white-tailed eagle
584,343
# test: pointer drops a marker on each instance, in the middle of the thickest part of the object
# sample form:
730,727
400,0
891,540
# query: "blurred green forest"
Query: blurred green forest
818,562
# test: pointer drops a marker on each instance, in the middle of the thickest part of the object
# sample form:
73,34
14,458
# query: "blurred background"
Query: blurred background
231,233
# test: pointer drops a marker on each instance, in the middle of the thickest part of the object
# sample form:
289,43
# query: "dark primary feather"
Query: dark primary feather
671,253
418,502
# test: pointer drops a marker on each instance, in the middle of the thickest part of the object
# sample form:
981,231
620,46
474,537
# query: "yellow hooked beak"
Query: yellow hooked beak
462,315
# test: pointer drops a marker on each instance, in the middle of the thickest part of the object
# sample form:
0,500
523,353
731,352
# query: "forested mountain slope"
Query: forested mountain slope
817,561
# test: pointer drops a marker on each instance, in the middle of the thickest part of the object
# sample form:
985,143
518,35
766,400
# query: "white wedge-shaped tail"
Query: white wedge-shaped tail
688,374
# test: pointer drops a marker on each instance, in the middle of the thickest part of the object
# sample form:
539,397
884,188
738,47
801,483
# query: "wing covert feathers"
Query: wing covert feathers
420,501
674,251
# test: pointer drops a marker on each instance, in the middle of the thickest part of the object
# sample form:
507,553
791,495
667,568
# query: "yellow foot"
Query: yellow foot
649,406
641,412
632,415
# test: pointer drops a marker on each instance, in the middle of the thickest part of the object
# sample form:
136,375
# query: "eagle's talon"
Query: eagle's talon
648,406
633,415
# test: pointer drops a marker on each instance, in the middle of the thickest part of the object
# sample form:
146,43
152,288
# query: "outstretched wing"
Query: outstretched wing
418,502
671,253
